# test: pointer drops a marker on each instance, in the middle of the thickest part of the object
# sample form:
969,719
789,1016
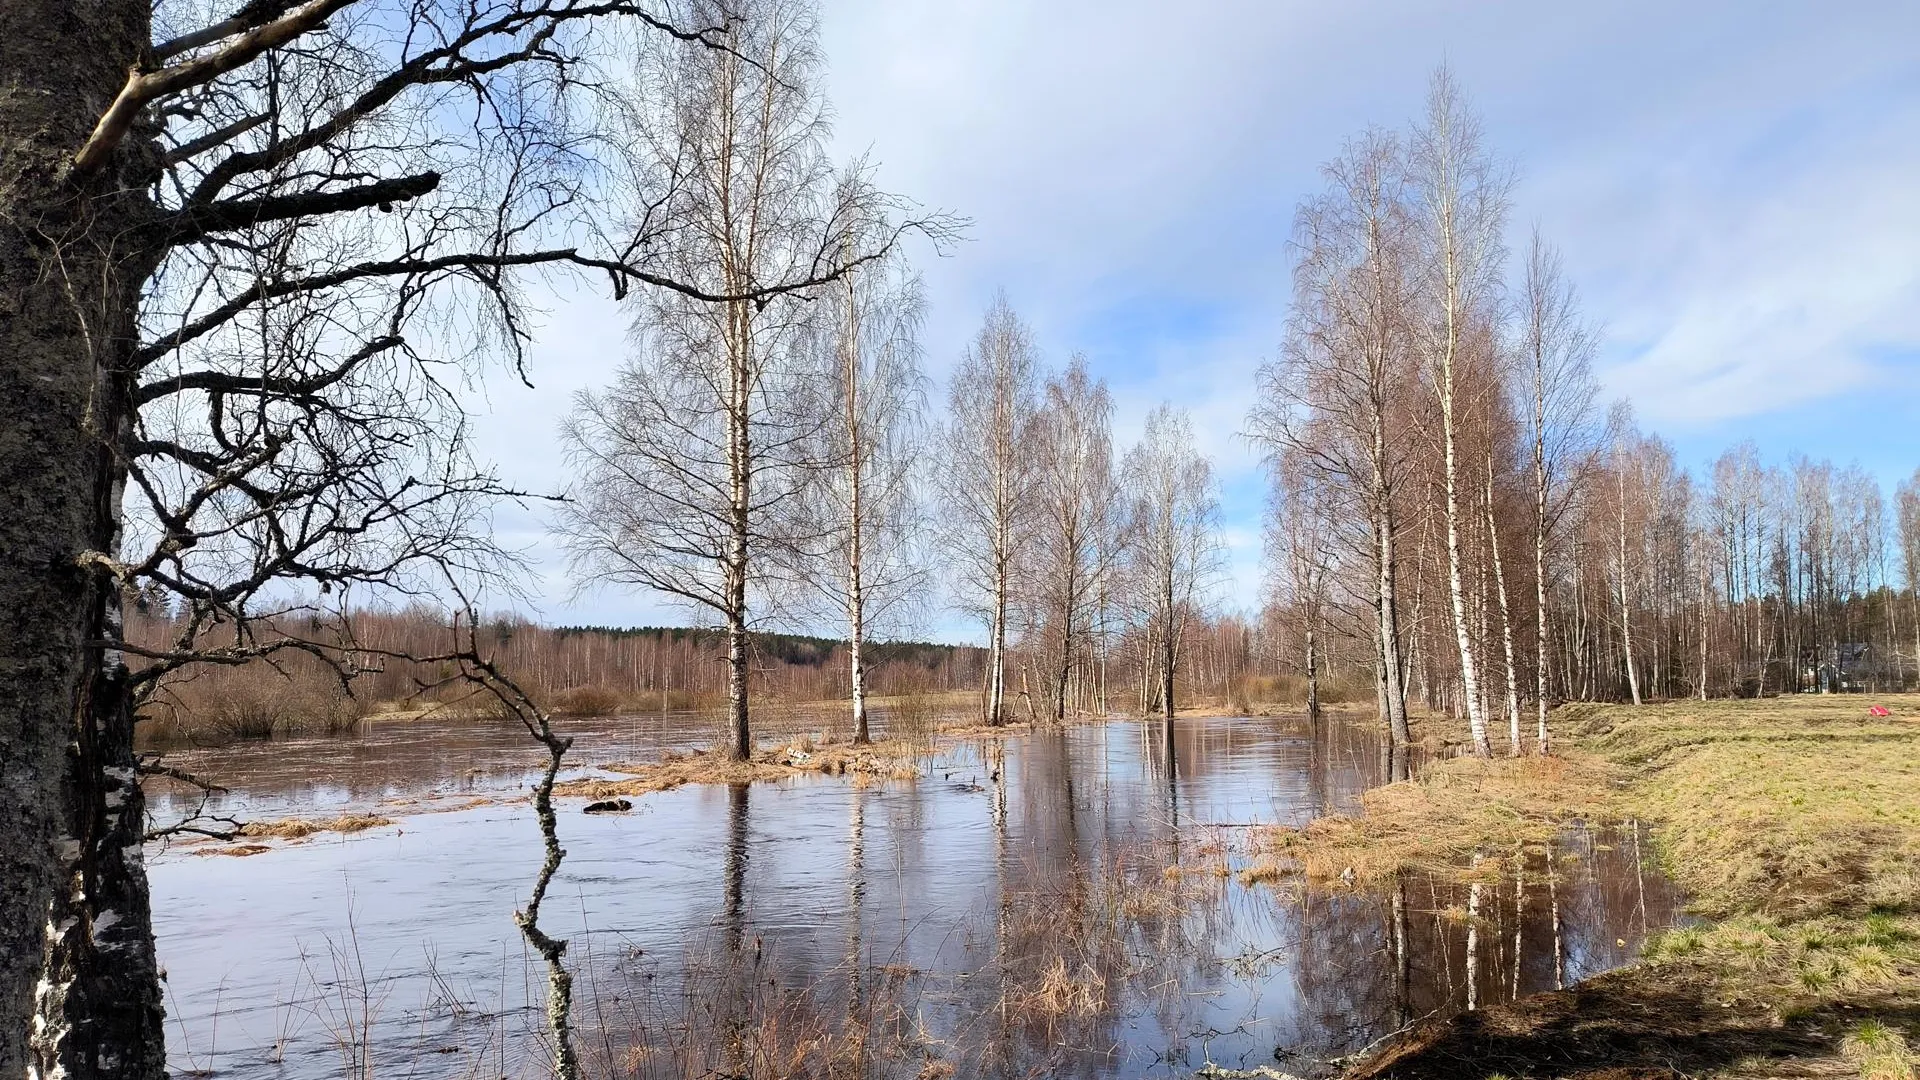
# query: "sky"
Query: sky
1735,188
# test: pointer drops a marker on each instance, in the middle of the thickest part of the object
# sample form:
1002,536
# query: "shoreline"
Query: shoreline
885,759
1794,825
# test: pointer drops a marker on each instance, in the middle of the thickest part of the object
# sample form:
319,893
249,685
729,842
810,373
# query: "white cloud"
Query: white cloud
1731,184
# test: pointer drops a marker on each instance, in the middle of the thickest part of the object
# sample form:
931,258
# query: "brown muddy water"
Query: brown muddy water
1061,904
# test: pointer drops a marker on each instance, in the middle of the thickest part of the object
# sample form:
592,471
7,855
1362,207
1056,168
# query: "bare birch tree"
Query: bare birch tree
1074,530
1509,670
988,478
1461,197
692,465
1557,350
1336,401
1173,540
867,500
1302,557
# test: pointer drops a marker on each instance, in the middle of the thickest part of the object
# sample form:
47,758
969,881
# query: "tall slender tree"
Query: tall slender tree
1337,401
867,499
1461,198
988,477
1557,349
1302,558
693,464
1074,506
1173,538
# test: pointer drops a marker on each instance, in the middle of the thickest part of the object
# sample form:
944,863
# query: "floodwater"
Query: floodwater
1065,903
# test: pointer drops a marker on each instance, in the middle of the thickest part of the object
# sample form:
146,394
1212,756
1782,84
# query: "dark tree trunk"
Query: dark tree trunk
78,981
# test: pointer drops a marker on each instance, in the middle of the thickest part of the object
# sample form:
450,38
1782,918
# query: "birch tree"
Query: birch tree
1336,401
1074,529
1173,540
693,464
988,480
867,500
1461,198
1302,558
1557,350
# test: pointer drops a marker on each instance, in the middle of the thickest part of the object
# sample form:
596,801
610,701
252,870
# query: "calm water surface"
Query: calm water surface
1060,904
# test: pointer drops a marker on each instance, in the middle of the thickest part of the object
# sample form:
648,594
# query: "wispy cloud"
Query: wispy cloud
1732,186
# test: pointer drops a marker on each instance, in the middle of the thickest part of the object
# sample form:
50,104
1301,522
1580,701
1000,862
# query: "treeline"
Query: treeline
375,660
1451,509
1750,579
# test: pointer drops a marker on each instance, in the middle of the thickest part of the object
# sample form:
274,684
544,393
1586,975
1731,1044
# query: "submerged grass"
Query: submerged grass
1794,824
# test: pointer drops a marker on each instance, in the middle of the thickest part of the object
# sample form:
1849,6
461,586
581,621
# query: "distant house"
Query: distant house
1846,667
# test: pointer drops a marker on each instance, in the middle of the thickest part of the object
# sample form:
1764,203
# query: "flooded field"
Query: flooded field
1066,903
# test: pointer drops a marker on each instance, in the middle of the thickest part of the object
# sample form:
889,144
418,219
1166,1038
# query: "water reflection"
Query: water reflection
1065,903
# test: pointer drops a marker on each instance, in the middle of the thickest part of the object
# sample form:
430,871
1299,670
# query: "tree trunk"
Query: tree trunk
1313,678
856,523
857,673
1060,680
1169,644
740,459
997,658
1456,588
79,986
1626,615
1069,604
1542,741
1704,583
1387,605
1506,620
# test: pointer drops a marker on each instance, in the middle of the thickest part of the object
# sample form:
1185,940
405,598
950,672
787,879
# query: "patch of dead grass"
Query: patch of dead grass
299,828
1456,808
876,761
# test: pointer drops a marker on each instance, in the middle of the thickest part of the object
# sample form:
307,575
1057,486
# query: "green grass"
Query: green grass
1794,824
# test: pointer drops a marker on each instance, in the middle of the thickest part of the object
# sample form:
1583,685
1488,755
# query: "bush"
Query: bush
586,701
213,705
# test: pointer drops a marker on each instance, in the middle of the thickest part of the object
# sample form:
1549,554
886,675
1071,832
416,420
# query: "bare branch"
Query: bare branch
147,86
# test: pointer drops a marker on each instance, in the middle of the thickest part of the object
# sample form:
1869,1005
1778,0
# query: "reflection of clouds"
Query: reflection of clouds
778,907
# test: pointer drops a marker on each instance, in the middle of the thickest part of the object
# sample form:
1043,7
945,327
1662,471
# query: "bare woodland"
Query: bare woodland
1486,539
253,254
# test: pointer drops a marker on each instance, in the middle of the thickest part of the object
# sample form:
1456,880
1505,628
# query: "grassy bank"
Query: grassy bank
1794,824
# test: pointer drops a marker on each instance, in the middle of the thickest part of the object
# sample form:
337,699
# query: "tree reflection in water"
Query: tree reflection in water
1065,903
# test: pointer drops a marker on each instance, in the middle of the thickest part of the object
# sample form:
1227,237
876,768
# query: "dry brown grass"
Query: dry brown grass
238,851
299,828
879,761
1457,808
1061,994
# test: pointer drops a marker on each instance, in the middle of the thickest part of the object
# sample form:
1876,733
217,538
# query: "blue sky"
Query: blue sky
1735,187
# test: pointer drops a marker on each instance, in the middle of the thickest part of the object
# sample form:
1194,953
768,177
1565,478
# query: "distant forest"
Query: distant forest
571,669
